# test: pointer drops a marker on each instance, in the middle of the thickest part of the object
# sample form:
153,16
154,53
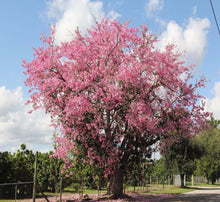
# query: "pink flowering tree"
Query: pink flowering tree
112,94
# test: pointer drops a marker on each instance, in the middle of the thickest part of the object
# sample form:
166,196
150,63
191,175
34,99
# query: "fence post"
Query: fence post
163,182
61,185
16,187
192,180
35,177
82,185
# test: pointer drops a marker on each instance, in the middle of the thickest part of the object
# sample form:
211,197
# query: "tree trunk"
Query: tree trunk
82,186
207,179
115,184
182,180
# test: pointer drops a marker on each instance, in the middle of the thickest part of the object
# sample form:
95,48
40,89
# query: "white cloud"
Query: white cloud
191,38
113,14
161,21
70,14
17,126
153,6
213,105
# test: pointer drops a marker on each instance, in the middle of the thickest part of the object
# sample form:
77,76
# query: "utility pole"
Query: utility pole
35,177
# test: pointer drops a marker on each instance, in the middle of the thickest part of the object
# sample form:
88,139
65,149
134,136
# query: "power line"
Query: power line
215,16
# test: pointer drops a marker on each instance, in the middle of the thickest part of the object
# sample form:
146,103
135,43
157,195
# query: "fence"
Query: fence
199,179
16,190
202,180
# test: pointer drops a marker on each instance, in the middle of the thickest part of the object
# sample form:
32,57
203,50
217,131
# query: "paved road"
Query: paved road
203,194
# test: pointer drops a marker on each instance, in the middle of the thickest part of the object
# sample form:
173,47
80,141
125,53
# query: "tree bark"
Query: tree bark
182,180
115,184
207,179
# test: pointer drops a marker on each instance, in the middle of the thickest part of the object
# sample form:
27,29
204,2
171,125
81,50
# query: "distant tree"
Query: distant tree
6,165
160,170
209,164
43,171
17,167
182,154
136,168
6,173
50,172
214,123
23,162
23,170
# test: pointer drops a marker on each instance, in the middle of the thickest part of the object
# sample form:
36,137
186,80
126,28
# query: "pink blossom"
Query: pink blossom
111,92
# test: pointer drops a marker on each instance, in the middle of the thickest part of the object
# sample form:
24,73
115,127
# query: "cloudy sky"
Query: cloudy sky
189,23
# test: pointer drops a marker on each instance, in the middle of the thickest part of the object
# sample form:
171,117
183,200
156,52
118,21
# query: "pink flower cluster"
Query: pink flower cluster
113,92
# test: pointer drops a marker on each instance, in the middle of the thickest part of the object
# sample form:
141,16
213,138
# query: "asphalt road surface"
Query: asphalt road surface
203,194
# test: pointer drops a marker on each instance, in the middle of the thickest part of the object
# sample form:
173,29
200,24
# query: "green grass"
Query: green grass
160,189
202,185
172,190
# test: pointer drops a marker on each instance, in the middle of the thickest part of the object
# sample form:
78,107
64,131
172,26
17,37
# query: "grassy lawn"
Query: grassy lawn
160,189
203,185
173,190
170,189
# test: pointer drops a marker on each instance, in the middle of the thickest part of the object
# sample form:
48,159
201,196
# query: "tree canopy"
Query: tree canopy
114,94
182,155
209,164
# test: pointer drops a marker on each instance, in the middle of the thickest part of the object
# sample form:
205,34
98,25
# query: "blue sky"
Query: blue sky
189,23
